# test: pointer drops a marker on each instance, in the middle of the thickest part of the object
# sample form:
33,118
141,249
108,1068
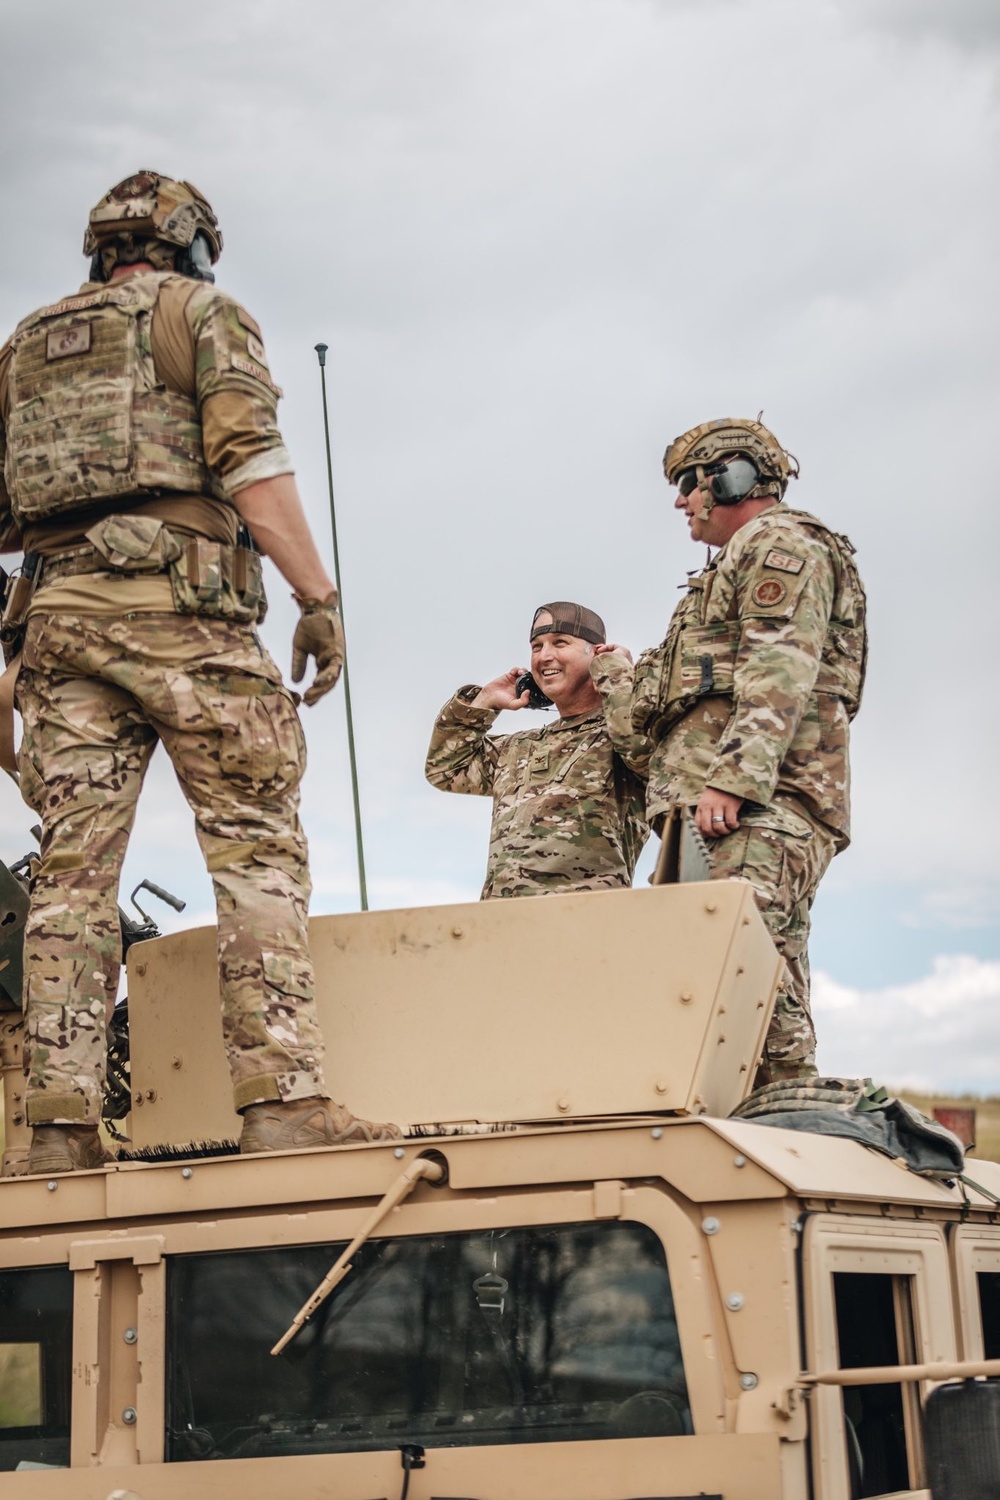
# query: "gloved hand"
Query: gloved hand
320,634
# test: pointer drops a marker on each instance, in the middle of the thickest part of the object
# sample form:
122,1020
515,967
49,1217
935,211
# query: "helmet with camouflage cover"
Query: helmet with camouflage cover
728,437
155,218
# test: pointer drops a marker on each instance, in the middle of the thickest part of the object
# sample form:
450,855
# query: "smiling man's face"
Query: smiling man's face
560,664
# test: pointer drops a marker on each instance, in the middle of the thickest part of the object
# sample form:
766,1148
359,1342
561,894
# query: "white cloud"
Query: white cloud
940,1033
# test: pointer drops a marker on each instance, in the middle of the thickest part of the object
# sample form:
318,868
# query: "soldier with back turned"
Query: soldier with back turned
143,475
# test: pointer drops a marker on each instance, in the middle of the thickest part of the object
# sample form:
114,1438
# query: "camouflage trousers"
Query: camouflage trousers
784,855
96,695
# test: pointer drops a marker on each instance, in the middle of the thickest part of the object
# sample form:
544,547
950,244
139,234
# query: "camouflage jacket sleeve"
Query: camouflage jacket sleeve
462,757
237,397
10,537
784,617
613,678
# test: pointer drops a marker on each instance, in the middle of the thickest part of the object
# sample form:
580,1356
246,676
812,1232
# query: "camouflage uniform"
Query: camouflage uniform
110,667
751,693
567,811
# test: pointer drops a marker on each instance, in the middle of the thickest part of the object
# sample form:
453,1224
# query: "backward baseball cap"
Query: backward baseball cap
570,619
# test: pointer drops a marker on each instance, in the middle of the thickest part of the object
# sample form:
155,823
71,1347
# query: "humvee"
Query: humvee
575,1278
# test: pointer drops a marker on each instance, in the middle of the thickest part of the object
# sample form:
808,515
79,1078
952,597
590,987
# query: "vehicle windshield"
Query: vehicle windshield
519,1335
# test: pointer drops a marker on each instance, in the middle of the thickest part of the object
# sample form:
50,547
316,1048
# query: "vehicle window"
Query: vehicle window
989,1308
537,1334
874,1327
36,1335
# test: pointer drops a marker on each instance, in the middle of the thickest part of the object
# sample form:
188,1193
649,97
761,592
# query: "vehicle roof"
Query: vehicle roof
705,1160
833,1167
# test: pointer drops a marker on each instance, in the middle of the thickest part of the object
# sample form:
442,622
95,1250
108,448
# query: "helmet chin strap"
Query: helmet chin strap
709,501
766,489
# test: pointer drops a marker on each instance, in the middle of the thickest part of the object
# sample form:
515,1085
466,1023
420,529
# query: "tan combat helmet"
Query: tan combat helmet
728,437
151,217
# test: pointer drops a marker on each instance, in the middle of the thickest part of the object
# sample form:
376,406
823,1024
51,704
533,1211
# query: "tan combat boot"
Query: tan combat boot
65,1148
282,1126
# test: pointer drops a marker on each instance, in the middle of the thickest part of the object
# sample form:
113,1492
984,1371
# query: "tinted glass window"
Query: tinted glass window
867,1334
512,1336
989,1305
36,1337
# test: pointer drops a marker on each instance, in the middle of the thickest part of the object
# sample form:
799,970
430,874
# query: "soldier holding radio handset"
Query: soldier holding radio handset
567,809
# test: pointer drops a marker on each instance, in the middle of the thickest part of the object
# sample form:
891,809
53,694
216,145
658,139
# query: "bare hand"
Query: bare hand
717,813
500,692
610,646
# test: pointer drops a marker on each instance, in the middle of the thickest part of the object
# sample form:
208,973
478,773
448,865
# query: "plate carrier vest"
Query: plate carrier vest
88,419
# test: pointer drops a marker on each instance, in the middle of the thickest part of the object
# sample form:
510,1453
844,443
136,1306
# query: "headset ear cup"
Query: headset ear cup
195,260
735,481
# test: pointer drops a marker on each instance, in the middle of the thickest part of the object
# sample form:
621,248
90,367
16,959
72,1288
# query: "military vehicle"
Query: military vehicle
575,1278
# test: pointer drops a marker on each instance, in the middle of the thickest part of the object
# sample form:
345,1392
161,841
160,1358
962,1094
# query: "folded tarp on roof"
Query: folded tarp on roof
862,1112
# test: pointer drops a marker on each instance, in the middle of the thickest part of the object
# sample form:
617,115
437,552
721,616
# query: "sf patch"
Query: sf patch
769,592
785,562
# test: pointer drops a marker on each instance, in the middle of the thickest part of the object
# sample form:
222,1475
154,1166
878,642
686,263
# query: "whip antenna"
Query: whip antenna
363,884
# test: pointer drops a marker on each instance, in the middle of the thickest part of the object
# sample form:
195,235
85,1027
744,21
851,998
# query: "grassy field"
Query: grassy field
987,1116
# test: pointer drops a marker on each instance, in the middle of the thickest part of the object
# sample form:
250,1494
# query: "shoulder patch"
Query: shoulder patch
785,562
67,305
248,367
769,592
255,349
248,322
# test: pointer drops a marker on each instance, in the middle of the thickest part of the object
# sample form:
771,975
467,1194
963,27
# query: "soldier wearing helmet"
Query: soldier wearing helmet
750,696
143,475
567,810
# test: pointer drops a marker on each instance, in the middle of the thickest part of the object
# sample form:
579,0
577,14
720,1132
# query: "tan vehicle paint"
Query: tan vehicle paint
645,1299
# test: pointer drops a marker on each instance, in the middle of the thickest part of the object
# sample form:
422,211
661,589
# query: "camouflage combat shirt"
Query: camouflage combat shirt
568,814
206,347
760,673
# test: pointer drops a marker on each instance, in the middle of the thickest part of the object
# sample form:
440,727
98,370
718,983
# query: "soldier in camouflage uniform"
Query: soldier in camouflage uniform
143,474
567,811
749,698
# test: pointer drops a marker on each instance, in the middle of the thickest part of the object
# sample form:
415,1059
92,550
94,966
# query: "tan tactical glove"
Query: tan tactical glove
319,633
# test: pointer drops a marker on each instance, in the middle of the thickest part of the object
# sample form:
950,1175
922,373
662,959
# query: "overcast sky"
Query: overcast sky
542,237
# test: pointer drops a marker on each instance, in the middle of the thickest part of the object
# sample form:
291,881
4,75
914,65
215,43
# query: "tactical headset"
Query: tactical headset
729,482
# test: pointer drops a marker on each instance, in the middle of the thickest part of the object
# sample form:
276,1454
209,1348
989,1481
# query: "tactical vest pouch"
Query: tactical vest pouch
845,652
706,661
845,656
650,671
17,594
842,668
134,544
223,582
